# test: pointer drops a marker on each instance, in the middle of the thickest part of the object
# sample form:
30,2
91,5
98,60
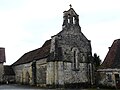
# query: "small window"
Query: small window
75,63
68,20
75,60
109,77
73,20
117,78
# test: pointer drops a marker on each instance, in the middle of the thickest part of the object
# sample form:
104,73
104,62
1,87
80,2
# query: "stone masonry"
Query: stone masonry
64,60
69,61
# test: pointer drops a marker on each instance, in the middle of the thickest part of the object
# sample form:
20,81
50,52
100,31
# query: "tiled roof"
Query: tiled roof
35,54
112,59
8,70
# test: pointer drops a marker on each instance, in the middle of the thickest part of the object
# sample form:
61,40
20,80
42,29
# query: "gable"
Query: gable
71,11
71,32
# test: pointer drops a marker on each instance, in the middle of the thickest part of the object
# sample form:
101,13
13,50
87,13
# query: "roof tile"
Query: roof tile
112,59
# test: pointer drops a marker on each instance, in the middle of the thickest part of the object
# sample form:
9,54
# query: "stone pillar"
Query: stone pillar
60,74
91,73
50,74
55,74
33,73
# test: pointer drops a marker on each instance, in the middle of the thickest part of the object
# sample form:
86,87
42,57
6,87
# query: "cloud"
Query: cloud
102,35
26,24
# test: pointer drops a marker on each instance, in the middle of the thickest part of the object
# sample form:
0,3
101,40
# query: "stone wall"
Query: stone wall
23,73
70,58
70,54
41,67
1,72
50,73
61,73
107,77
9,79
75,76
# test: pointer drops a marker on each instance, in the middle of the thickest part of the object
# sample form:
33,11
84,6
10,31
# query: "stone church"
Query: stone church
63,60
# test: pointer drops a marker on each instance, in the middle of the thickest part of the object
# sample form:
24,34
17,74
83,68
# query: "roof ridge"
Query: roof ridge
38,53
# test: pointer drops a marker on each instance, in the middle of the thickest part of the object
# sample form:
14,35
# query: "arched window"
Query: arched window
73,20
68,20
75,62
27,78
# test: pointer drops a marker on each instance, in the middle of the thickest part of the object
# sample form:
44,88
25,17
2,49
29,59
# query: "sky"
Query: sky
26,24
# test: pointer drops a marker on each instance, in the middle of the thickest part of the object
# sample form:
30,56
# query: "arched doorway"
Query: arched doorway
27,78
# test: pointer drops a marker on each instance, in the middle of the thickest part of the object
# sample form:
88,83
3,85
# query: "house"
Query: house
109,71
2,60
6,72
9,75
64,60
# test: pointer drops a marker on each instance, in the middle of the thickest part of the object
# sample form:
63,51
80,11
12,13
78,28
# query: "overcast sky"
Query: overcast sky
26,24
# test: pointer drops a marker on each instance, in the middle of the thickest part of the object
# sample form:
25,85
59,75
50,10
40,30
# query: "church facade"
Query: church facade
65,59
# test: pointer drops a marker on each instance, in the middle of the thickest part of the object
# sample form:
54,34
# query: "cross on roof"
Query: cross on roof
70,6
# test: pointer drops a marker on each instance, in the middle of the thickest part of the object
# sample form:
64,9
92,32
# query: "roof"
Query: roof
36,54
8,70
2,55
71,11
112,59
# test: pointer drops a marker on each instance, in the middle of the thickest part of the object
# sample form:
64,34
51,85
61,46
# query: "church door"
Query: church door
27,78
117,80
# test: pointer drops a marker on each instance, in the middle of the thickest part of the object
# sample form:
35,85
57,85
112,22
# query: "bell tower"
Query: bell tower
70,17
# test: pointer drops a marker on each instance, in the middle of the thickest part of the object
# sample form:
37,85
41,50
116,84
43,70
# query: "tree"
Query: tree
96,60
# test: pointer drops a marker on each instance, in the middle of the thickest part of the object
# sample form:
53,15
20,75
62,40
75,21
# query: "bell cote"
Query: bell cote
70,17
